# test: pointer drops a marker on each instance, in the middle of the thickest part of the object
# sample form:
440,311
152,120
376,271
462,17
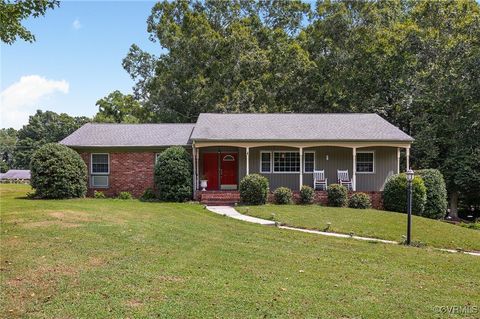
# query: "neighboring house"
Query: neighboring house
285,148
16,176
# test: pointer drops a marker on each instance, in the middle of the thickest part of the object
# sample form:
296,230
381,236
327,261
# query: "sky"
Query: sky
75,61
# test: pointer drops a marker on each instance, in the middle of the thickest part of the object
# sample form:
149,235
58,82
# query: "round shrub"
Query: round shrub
58,172
395,194
436,204
337,195
173,175
99,195
149,195
125,195
283,195
359,200
307,194
254,189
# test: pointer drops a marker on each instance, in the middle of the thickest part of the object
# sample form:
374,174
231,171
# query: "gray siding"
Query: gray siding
338,158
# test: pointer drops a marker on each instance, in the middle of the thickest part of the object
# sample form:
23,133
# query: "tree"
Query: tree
8,141
42,128
13,12
221,56
120,108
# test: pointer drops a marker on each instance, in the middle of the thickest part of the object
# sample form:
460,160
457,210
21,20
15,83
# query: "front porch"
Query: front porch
292,165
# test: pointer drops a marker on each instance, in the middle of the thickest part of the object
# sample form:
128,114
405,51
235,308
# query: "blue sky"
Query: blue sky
75,60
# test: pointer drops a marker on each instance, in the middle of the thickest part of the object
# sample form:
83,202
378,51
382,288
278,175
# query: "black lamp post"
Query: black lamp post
410,175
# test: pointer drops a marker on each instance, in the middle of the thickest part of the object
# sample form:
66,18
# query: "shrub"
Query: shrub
436,204
58,172
395,194
359,200
283,195
125,195
337,195
97,194
254,189
149,195
307,194
173,175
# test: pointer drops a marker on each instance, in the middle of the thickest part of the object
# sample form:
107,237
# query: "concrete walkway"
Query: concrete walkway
232,212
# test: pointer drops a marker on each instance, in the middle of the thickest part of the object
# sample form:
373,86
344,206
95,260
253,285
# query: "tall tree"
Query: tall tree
12,13
120,108
43,127
226,56
8,140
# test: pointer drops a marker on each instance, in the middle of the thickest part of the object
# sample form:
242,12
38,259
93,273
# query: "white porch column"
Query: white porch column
247,153
301,168
194,158
197,157
354,170
408,158
398,160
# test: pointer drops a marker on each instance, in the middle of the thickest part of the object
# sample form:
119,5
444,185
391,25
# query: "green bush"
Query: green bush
359,200
307,194
436,204
173,175
337,195
395,194
283,196
254,189
58,172
99,195
125,195
149,195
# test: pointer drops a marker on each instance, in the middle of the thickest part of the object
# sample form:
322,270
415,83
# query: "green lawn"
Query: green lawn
370,223
91,258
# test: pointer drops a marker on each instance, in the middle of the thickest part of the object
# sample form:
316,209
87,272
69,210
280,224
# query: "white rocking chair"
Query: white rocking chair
343,179
319,180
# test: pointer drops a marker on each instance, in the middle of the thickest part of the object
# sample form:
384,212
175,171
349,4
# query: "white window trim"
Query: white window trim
91,163
271,162
157,155
314,166
373,161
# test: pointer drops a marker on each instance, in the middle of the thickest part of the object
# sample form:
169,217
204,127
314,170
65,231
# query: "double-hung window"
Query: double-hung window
365,162
286,162
265,162
100,169
308,162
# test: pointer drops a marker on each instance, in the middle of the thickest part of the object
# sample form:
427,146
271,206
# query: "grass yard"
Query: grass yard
369,223
91,258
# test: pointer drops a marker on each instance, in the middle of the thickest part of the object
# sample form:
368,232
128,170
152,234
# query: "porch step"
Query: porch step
218,203
219,198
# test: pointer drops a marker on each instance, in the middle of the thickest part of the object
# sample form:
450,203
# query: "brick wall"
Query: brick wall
129,172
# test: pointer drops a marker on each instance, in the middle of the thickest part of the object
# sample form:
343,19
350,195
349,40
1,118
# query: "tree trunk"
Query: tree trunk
453,205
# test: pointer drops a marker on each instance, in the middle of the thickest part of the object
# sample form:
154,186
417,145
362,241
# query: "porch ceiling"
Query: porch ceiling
303,144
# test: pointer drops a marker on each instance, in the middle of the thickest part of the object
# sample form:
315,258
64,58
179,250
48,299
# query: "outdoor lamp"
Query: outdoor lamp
410,176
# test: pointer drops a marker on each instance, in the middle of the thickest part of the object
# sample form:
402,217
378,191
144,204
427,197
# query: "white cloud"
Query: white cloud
76,24
21,99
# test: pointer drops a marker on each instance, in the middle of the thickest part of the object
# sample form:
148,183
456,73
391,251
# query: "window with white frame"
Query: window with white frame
100,169
286,162
365,162
308,162
265,162
157,156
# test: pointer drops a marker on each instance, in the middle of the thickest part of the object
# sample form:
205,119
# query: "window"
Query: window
285,162
265,162
100,169
365,162
309,162
157,156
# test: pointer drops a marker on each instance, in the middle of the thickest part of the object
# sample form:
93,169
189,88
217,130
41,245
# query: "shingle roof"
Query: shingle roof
136,135
296,127
16,174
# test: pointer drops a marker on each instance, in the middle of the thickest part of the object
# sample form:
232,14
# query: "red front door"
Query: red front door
228,162
210,170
